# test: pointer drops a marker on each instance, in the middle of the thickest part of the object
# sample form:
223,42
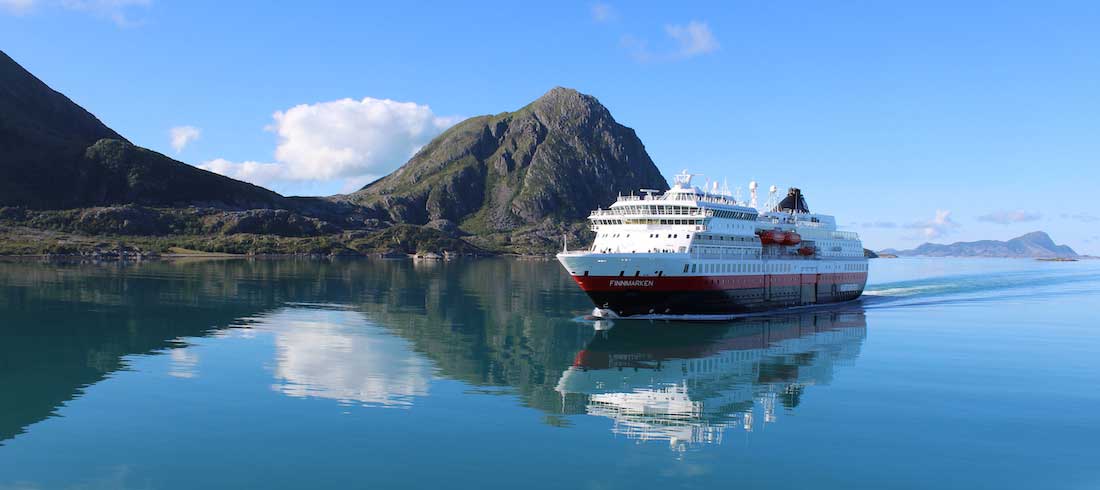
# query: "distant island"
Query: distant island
1036,244
512,182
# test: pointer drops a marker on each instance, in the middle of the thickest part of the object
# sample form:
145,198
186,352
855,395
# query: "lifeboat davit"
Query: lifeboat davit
806,251
791,238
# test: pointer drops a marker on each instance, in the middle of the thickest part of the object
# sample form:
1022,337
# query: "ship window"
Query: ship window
685,267
637,273
585,273
693,268
622,273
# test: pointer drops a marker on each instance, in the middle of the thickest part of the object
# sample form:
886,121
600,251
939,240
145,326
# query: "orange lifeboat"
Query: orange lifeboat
769,236
792,238
807,250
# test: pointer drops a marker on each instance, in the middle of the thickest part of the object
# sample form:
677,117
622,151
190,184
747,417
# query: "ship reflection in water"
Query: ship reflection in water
688,384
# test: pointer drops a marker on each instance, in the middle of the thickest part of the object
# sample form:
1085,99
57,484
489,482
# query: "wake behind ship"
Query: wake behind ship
694,252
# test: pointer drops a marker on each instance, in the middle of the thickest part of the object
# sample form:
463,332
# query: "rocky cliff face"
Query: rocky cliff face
518,179
1036,244
55,155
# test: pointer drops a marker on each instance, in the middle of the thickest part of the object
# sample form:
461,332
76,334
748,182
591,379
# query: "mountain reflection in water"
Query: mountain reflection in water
378,333
394,374
689,383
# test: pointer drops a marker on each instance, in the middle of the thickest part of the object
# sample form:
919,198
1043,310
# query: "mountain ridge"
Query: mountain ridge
512,182
57,155
1036,244
528,174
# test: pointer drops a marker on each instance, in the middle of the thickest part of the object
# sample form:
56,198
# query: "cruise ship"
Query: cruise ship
692,251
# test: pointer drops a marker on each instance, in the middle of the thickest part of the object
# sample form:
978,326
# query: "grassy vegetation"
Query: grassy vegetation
22,240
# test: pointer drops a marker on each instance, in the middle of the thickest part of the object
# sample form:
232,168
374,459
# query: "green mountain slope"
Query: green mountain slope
516,180
55,155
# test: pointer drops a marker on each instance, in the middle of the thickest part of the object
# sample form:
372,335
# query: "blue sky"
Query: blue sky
912,122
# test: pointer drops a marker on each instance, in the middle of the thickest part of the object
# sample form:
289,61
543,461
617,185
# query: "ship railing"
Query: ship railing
727,255
786,255
623,212
827,234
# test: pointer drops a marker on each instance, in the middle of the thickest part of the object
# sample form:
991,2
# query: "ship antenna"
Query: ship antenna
773,198
752,194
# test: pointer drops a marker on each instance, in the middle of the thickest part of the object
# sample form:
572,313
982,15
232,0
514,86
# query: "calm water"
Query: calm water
480,374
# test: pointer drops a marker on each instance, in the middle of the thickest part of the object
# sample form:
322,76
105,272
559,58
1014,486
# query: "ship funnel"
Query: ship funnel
794,202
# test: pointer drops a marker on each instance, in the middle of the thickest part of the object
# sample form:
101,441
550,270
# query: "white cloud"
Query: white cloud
347,140
352,184
121,12
879,224
939,226
258,173
1082,217
17,7
350,138
183,136
1009,217
602,12
693,39
118,11
689,40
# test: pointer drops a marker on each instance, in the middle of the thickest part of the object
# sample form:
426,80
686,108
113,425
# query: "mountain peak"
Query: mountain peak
1034,244
1037,237
542,167
565,107
565,95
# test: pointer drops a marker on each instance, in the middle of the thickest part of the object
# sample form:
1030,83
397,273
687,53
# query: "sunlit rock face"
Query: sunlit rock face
339,355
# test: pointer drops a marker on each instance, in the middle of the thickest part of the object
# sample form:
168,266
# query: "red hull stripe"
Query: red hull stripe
713,283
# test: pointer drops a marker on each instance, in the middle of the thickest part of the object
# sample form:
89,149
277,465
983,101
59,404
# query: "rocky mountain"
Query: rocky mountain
1036,244
511,182
56,155
517,179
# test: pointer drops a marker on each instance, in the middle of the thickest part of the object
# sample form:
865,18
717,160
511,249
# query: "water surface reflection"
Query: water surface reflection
689,383
379,333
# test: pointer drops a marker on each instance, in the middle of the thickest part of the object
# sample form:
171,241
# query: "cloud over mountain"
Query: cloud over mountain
183,135
693,39
339,140
121,12
1009,217
602,12
937,227
687,41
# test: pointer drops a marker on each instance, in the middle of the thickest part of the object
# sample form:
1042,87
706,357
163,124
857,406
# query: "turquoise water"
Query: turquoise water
483,374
